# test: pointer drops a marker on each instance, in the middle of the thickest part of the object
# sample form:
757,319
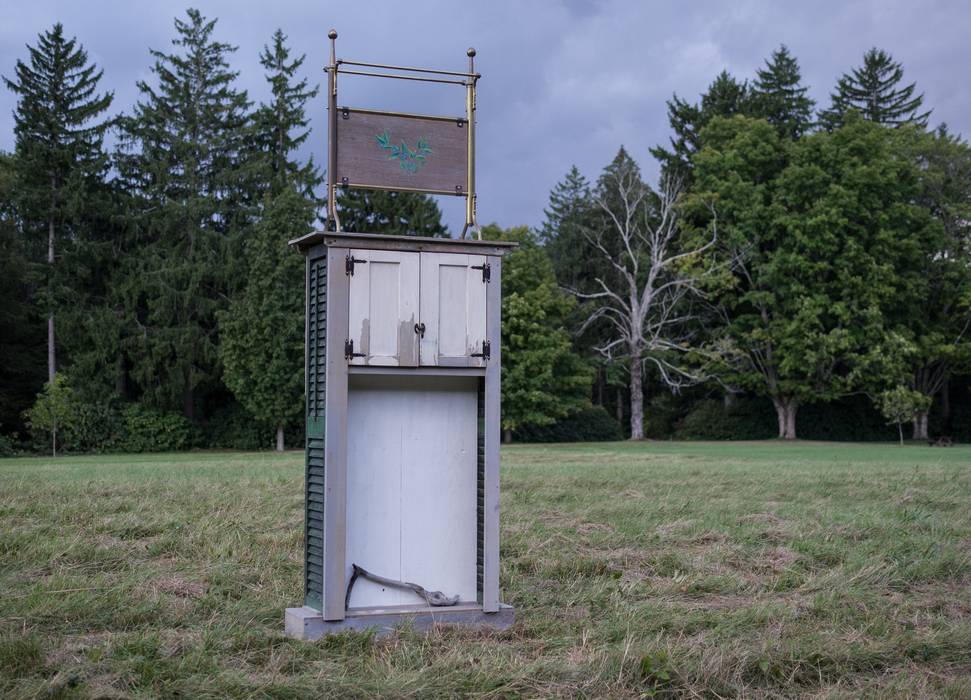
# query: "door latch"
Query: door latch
349,262
420,329
486,350
349,353
486,271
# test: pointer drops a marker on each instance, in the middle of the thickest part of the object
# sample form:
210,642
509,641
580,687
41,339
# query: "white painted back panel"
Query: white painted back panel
411,485
383,308
453,309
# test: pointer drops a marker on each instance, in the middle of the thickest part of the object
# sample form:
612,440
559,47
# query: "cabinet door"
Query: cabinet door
453,309
383,301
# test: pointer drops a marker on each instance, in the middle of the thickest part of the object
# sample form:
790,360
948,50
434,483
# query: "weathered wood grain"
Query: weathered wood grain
383,151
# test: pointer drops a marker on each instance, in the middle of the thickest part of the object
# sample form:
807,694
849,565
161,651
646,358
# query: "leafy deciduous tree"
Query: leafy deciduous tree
543,379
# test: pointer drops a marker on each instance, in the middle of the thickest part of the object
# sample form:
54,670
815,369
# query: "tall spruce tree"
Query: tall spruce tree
393,213
569,215
21,329
262,332
59,129
875,90
779,97
725,97
282,126
183,159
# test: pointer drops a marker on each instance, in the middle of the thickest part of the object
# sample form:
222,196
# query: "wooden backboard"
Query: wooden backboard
407,152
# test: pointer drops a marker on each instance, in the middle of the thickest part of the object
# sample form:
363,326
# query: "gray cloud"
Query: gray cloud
564,82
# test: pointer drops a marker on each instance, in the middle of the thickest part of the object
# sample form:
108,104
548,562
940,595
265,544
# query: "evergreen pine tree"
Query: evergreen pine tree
393,213
262,332
780,98
183,160
21,330
725,97
281,126
569,216
59,132
874,89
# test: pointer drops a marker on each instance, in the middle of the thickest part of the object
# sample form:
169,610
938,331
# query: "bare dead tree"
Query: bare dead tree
645,296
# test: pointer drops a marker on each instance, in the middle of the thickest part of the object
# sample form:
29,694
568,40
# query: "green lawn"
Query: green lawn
689,569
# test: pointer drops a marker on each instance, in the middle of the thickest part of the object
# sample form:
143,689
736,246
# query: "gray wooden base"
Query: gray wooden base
307,623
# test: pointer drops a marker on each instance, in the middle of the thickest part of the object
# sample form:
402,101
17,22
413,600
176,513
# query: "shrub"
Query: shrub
748,419
147,430
232,427
592,424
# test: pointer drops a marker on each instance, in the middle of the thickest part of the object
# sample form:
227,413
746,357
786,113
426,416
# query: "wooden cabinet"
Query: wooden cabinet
407,309
382,308
453,309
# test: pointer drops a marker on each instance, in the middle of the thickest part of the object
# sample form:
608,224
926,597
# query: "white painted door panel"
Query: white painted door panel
453,309
411,486
383,308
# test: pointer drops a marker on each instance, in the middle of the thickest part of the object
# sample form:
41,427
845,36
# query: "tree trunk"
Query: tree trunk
51,360
620,405
900,429
188,397
730,400
946,401
54,439
636,400
785,411
920,425
507,436
279,438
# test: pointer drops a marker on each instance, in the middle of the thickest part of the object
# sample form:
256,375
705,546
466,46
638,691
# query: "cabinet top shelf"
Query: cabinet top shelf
377,241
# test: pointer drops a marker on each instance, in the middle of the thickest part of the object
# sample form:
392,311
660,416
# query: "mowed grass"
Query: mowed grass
665,569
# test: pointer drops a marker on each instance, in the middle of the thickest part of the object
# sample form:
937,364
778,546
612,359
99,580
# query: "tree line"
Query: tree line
788,256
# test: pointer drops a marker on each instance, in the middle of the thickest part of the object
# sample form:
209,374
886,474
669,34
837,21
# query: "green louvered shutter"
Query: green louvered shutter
316,374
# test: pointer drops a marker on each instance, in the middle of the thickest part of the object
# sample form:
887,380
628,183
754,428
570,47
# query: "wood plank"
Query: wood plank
412,485
490,555
402,151
335,451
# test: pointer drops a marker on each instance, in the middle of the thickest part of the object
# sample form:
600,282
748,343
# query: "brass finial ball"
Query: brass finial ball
470,53
332,34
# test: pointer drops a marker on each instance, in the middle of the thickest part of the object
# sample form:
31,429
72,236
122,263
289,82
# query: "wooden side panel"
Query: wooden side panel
490,535
383,308
402,152
411,491
453,309
335,438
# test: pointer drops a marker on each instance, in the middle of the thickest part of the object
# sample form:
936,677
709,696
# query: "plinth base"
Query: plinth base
307,623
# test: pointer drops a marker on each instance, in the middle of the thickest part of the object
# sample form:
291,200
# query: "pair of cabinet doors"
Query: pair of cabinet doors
417,309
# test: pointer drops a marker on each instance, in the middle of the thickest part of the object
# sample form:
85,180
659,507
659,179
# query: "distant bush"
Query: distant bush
853,419
147,430
592,424
747,419
231,427
94,427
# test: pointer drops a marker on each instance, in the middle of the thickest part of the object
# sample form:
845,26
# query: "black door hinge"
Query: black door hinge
486,350
486,271
420,329
349,353
349,262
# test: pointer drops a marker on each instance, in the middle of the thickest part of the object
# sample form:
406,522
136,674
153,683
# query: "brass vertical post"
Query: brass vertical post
470,213
333,220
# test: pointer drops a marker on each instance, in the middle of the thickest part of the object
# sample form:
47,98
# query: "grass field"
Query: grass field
697,570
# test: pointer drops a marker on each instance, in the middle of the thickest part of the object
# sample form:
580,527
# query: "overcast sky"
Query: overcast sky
564,82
